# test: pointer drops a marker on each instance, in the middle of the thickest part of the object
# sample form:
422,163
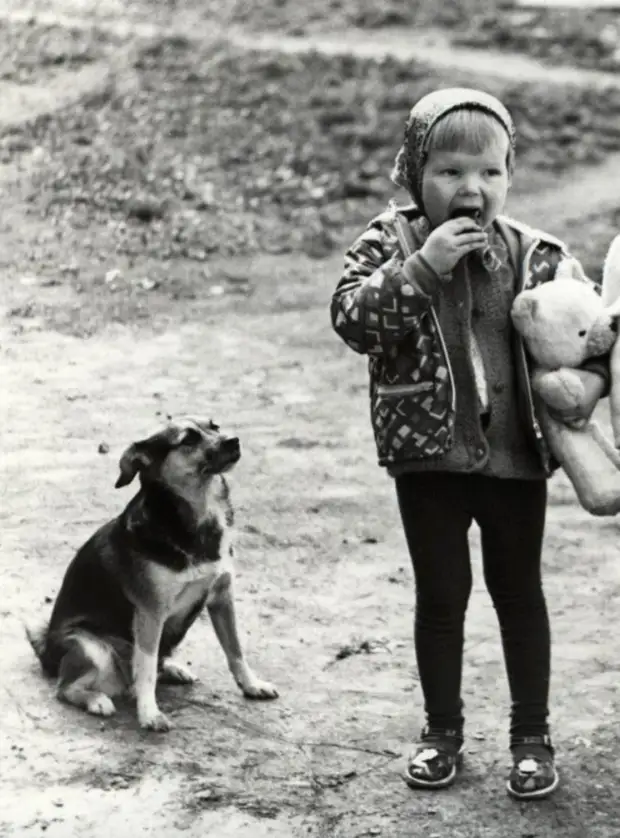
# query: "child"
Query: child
426,294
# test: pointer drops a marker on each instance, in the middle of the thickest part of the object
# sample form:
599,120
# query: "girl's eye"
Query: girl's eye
493,172
450,172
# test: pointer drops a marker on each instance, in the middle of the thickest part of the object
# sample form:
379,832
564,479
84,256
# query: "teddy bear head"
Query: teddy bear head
564,322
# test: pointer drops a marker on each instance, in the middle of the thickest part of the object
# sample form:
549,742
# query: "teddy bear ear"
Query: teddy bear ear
610,289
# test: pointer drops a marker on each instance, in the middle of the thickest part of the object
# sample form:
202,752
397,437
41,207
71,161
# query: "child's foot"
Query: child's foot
433,763
533,774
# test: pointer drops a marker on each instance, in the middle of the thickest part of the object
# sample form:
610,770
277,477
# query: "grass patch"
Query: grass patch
219,150
583,37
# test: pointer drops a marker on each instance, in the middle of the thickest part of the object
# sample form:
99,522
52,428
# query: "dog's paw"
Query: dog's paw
158,722
255,688
100,705
172,672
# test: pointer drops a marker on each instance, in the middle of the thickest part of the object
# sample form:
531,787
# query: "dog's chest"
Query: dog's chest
192,591
182,589
213,538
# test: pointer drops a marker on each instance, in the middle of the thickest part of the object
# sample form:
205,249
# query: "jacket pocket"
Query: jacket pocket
413,420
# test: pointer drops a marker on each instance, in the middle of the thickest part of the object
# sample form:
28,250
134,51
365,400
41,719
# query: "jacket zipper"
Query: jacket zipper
444,349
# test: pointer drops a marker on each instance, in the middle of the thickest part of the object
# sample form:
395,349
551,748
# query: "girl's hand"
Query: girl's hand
449,242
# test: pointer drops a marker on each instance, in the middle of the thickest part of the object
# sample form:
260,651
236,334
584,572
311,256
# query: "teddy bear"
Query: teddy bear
563,323
610,294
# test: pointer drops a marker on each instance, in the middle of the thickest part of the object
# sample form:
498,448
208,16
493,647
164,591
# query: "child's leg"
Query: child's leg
435,513
511,516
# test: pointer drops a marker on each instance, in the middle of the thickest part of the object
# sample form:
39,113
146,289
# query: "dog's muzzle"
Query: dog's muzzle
230,451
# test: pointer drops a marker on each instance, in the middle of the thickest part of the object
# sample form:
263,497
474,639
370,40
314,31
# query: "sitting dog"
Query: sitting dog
134,589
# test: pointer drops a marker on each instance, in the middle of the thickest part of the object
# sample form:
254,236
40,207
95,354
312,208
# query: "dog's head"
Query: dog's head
183,456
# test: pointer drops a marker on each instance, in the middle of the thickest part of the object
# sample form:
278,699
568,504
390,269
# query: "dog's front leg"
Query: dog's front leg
147,629
221,608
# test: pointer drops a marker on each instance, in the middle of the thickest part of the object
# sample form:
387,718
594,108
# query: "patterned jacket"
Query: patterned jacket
377,312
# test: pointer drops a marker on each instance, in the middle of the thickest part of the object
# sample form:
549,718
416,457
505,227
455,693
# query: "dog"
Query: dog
134,589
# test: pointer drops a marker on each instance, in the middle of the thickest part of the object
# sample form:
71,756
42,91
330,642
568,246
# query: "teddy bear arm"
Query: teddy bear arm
560,389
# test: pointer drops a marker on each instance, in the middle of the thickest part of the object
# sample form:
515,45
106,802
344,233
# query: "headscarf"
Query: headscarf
409,164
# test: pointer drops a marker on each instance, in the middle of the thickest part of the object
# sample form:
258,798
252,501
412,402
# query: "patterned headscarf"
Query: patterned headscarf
410,160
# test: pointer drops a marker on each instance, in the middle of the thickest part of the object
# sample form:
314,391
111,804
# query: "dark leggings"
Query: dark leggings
437,510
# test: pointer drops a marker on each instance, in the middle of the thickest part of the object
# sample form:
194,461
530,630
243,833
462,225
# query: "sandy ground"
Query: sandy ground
324,587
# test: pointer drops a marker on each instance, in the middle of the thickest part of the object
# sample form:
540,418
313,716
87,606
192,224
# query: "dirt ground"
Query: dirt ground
324,586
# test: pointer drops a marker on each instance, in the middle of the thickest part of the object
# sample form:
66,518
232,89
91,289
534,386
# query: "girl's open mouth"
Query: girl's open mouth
469,212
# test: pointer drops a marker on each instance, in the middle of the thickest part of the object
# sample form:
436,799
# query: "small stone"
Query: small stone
103,448
148,284
112,276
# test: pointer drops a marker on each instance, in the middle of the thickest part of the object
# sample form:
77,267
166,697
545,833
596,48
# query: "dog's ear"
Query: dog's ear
134,458
142,454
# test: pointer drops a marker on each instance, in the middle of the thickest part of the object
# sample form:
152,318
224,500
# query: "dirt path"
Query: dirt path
433,49
324,586
25,103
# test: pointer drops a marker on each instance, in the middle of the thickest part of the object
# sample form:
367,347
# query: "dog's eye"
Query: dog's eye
191,437
583,333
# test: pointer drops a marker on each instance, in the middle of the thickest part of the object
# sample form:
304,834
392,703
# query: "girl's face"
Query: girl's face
453,181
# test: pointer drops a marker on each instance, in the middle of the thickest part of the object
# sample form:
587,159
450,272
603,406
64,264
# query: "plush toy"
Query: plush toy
564,323
610,295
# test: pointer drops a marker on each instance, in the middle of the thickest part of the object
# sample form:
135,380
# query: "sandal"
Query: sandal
533,774
433,764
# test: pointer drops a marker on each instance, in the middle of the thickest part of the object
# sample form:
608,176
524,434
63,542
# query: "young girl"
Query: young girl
426,294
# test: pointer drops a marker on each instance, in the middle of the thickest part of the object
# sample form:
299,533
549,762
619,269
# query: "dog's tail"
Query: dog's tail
37,639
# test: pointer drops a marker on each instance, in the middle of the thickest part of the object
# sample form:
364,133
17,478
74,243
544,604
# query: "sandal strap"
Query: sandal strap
536,742
446,739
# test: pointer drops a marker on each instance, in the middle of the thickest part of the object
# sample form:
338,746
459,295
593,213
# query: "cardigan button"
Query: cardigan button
499,387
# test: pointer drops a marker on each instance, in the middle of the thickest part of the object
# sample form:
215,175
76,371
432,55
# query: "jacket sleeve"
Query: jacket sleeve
600,364
375,305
